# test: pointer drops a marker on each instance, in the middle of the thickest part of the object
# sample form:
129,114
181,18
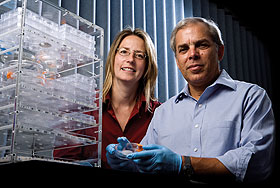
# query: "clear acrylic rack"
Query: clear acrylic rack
51,77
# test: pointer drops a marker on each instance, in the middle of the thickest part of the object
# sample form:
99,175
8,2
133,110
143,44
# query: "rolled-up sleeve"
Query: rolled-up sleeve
253,159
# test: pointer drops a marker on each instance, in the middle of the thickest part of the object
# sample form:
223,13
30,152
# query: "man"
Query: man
216,126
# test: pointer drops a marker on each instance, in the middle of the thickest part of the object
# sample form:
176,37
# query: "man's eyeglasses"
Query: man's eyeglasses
136,54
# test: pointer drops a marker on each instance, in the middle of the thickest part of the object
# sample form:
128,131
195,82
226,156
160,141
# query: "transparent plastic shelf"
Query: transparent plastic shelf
51,69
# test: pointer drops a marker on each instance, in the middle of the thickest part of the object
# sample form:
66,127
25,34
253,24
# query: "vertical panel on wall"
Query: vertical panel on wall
162,51
237,50
245,64
115,18
263,67
268,68
188,8
222,25
150,12
171,65
102,18
127,13
180,8
230,47
196,5
213,12
86,10
205,9
70,5
257,62
151,20
250,50
139,15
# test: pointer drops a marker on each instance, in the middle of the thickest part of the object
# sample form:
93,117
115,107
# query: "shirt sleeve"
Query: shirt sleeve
253,159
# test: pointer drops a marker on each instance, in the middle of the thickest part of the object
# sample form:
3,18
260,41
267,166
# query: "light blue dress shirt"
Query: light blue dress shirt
232,121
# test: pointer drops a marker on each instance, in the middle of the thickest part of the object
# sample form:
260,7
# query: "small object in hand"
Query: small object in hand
127,149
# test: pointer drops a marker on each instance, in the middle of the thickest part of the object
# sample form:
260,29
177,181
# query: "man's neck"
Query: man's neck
197,90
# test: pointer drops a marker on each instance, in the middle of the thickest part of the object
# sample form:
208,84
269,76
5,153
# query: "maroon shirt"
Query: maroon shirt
135,130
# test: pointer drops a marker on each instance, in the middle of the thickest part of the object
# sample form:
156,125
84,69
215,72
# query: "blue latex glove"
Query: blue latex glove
115,162
123,141
157,159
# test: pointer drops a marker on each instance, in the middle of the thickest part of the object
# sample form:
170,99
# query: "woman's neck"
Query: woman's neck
123,101
123,94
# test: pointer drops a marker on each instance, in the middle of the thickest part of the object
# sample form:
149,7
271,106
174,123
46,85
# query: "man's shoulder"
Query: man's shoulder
247,86
250,90
237,85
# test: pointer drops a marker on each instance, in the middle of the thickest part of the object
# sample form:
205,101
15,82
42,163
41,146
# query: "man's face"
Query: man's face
197,55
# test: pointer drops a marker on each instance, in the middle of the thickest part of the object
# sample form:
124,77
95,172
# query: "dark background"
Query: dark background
262,18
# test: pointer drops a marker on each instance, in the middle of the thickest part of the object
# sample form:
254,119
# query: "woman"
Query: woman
128,93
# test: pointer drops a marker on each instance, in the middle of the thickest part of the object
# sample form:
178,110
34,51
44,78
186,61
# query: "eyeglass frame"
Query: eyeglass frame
134,53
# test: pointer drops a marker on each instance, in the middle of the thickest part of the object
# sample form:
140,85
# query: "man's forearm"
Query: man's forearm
209,169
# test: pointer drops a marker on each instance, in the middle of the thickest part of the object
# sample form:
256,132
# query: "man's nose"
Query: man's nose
193,53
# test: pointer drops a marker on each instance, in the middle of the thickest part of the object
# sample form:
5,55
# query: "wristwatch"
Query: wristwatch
187,169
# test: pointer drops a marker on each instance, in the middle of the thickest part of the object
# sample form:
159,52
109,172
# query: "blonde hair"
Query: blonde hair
148,80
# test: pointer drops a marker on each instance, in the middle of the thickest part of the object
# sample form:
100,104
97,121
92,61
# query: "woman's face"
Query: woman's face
129,65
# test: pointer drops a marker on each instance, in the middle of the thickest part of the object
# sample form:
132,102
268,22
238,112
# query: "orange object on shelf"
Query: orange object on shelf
9,75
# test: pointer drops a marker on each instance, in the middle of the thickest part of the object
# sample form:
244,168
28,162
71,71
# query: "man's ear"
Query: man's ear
221,50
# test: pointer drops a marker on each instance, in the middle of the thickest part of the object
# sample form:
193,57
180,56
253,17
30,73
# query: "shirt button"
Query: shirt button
195,149
196,126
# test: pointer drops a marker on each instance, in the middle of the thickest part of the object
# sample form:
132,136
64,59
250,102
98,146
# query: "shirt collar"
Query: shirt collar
224,79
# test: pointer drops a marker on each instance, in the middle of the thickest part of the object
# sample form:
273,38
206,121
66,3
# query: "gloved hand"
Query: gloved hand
157,159
123,141
115,162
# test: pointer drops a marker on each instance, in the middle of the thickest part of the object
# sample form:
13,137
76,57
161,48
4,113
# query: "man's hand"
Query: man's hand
157,159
